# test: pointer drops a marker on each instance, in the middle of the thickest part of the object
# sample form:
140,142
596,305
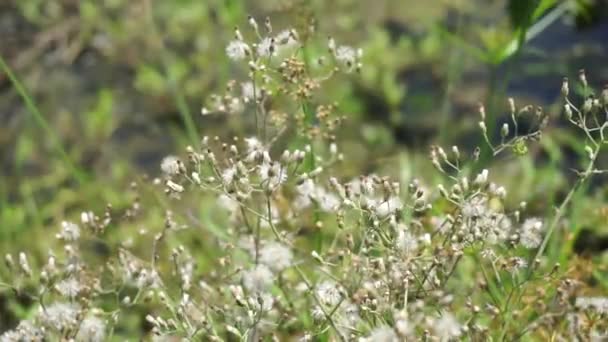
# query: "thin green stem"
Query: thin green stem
78,174
178,96
182,106
562,210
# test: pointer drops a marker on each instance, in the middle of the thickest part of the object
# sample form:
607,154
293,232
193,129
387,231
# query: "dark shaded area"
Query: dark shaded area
589,243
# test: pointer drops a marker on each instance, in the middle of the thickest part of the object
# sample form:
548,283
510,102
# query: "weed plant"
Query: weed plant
266,239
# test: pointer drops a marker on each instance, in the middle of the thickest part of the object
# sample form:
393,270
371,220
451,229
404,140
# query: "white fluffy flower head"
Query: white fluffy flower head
328,293
69,231
237,50
170,165
258,279
531,233
276,256
69,288
382,334
92,329
60,316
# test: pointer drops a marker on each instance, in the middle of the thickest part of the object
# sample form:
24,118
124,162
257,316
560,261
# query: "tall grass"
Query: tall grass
75,170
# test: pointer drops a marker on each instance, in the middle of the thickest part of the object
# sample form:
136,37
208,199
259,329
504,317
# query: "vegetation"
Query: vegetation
309,200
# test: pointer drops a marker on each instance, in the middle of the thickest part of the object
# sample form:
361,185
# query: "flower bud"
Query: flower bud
565,87
588,105
442,153
331,45
482,112
237,34
512,105
24,265
501,192
8,260
482,177
504,131
252,22
456,151
465,183
196,178
582,77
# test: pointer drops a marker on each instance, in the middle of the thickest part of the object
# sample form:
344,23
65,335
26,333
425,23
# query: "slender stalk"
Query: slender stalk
178,96
78,174
562,209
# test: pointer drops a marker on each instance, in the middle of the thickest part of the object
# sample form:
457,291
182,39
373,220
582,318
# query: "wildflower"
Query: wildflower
92,329
196,177
599,304
446,327
186,272
266,48
331,45
349,314
24,264
286,37
170,165
388,207
228,175
272,174
263,301
501,228
8,260
69,288
482,177
237,50
565,88
248,92
69,231
402,324
174,186
406,242
517,263
327,202
501,192
346,55
328,293
235,106
504,131
381,334
306,188
317,314
258,279
87,217
60,316
531,230
254,148
147,278
25,331
227,203
287,41
276,256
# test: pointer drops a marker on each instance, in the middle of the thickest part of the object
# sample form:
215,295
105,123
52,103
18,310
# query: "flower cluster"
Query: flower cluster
265,238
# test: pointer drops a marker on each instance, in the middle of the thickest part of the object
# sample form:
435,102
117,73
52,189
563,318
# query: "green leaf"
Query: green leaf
521,12
98,121
542,8
463,44
149,79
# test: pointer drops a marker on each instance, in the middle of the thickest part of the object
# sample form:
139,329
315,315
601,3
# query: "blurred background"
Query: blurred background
94,93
